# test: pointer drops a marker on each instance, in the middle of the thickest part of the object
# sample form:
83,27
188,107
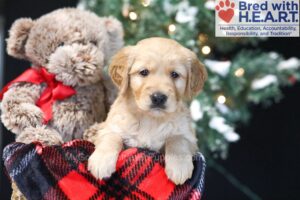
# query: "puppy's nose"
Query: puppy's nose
158,99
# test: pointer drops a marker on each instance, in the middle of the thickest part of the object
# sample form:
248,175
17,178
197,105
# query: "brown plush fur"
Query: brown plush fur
134,121
74,45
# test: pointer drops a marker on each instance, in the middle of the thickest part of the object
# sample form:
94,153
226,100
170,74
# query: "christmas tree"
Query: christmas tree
238,76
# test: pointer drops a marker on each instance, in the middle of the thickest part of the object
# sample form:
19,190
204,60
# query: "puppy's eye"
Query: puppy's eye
144,72
61,44
174,75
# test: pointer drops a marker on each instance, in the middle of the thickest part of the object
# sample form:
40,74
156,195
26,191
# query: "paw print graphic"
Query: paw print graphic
225,10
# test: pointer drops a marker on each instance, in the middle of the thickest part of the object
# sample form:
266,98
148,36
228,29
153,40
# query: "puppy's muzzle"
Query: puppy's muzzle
158,100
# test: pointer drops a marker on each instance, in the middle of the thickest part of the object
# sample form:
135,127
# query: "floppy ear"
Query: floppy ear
196,77
119,68
18,35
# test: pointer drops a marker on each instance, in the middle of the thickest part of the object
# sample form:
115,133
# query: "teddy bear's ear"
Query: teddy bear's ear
120,67
197,75
115,32
18,35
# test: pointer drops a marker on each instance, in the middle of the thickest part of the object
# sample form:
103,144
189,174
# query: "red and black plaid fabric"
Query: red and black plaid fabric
60,172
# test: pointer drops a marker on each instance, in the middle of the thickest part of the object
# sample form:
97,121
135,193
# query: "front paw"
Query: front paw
179,169
102,163
91,133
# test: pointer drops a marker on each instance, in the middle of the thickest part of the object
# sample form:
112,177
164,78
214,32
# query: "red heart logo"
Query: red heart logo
226,15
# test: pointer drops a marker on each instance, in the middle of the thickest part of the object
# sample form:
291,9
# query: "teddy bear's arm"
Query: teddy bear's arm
18,109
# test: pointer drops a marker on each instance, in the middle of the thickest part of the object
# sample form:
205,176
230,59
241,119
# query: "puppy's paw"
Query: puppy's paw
179,169
91,133
102,164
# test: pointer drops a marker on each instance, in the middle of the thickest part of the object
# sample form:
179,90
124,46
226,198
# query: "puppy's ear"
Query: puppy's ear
18,35
119,68
196,77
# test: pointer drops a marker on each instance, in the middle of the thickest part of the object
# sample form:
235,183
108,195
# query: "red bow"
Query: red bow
55,90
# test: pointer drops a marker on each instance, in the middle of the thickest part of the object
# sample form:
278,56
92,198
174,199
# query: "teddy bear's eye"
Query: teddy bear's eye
61,44
94,42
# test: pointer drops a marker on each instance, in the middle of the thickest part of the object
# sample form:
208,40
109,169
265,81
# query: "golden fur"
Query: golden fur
133,120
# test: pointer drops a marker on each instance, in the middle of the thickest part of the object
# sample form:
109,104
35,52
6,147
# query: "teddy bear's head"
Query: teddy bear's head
73,44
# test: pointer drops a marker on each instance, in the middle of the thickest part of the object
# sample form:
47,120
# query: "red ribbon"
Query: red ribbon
54,91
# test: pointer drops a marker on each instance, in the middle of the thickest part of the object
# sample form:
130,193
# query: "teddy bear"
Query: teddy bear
66,90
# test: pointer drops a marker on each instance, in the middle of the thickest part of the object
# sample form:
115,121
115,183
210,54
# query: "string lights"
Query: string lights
206,50
133,16
221,99
239,72
146,3
202,38
171,28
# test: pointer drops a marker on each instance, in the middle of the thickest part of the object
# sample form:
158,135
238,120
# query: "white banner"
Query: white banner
257,18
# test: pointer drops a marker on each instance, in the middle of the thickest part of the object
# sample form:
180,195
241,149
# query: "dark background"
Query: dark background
266,159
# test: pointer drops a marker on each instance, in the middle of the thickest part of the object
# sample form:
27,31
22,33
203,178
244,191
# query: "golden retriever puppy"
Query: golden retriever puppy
154,78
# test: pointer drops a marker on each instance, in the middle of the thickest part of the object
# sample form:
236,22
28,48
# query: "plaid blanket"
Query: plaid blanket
60,172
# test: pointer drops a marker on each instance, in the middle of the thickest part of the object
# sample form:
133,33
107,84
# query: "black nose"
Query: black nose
158,100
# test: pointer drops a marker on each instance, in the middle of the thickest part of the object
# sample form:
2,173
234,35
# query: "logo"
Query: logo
257,18
225,10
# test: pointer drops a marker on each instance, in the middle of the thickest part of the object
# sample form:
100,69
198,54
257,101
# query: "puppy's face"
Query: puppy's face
159,73
157,82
